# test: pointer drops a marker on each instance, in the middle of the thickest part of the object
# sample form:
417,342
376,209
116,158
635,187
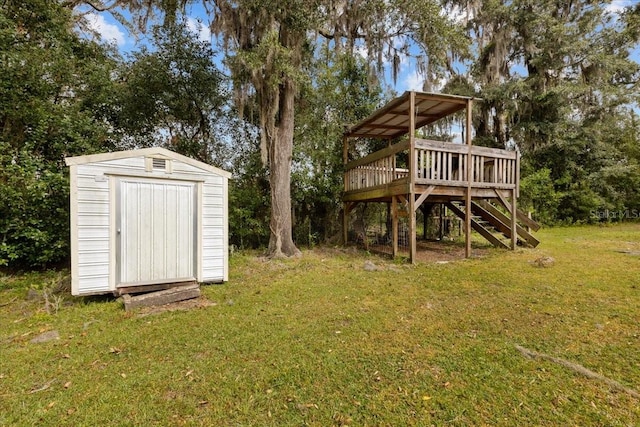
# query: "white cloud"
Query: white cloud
412,81
617,6
361,49
107,31
457,14
197,27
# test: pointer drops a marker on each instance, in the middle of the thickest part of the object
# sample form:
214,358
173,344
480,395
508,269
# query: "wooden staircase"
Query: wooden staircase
494,225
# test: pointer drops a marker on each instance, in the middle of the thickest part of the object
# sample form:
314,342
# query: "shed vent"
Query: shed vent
159,163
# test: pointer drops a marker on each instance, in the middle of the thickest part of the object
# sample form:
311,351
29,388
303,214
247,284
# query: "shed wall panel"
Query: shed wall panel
183,168
93,220
97,207
92,284
92,230
88,257
213,229
97,245
214,220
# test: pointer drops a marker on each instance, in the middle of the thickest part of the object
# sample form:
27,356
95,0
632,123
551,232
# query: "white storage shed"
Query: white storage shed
146,218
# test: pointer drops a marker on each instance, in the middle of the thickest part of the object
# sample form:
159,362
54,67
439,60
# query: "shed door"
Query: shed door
156,225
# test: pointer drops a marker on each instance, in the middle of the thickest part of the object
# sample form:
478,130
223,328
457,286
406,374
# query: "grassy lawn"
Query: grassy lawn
320,341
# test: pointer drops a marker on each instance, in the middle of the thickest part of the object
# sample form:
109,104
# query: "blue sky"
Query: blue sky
110,30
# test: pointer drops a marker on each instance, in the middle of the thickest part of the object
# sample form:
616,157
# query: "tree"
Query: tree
248,192
56,96
557,81
338,91
272,45
175,95
269,43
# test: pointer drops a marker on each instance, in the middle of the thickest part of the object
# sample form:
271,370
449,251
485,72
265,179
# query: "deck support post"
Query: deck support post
467,224
424,222
467,198
441,217
412,228
346,206
345,223
345,150
394,226
413,170
514,224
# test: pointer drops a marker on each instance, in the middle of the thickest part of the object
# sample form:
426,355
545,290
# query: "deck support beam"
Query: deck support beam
504,201
514,223
512,209
394,226
424,196
467,198
345,223
347,208
413,167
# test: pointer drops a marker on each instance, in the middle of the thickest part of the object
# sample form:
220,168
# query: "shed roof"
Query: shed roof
392,120
158,152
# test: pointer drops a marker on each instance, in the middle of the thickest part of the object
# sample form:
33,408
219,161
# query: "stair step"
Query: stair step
504,222
478,227
493,224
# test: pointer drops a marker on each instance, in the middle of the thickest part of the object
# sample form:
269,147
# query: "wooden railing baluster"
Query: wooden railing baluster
435,163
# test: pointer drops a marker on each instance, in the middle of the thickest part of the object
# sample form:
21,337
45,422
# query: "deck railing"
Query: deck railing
436,163
444,163
377,168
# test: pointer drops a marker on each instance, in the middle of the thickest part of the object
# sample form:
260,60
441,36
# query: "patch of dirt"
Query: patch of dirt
433,251
46,337
189,304
437,251
544,262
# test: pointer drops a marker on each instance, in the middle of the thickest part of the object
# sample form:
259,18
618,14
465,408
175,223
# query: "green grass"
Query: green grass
319,341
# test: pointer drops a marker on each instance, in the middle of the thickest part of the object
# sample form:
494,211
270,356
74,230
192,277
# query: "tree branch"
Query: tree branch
72,4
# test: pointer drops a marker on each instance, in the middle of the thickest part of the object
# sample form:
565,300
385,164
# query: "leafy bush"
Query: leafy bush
34,214
55,92
538,194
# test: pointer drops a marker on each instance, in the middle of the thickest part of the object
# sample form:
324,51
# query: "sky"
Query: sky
408,79
111,31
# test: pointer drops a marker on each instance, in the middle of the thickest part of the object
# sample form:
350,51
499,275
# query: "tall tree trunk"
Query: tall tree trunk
280,153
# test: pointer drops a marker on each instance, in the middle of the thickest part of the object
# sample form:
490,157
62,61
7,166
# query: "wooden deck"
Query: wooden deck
440,167
479,184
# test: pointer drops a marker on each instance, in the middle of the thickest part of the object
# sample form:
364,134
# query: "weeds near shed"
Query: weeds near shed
54,292
52,301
